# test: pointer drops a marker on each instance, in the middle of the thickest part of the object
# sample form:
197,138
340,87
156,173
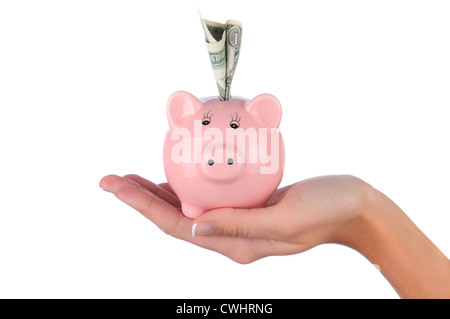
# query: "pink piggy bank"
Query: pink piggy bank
223,153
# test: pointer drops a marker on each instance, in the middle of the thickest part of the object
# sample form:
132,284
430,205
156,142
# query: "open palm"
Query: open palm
296,218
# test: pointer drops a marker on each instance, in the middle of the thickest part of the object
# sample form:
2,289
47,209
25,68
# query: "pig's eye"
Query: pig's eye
206,118
235,121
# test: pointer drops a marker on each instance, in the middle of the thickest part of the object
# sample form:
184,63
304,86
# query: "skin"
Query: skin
328,209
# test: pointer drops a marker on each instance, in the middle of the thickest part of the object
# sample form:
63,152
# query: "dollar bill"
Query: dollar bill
223,42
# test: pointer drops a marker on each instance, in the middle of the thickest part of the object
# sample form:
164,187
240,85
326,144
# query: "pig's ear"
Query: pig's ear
181,105
267,108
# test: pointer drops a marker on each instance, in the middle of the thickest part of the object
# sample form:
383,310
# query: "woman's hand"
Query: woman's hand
297,217
329,209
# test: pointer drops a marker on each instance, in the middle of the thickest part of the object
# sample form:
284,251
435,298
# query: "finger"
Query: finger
173,222
169,197
111,183
168,218
167,187
265,223
247,250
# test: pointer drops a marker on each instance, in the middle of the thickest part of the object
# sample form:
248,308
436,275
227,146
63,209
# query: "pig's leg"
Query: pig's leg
190,210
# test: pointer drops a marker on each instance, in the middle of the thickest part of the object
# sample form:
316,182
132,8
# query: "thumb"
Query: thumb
240,222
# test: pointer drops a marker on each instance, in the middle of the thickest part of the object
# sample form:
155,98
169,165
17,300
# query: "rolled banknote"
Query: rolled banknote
223,42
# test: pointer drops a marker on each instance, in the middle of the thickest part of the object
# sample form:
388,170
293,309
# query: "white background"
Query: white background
364,87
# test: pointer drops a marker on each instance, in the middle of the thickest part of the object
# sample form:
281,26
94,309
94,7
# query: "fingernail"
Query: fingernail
202,229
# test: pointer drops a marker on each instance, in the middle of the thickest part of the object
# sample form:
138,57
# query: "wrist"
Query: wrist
373,223
360,231
385,235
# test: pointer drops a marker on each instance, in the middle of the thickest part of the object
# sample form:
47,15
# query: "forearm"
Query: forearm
413,265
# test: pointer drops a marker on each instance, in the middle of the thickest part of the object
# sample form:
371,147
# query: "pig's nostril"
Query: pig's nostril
210,162
230,161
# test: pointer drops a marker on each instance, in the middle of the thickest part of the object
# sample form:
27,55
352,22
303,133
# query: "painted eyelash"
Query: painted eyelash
207,116
237,119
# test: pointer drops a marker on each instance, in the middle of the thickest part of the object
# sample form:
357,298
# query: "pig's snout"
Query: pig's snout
223,164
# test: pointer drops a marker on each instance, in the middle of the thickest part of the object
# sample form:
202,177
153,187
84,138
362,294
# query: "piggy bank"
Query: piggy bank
223,153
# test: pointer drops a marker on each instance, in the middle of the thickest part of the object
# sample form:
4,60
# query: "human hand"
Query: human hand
329,209
297,217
